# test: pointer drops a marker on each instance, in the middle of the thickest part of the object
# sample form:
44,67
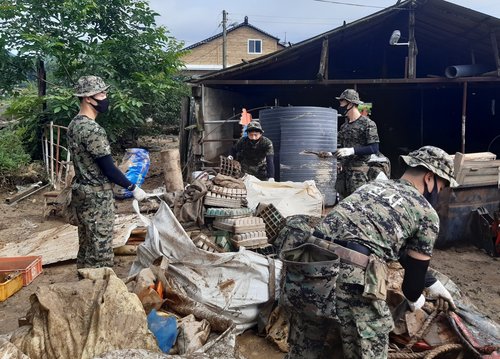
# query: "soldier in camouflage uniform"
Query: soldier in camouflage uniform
379,222
92,194
255,153
358,139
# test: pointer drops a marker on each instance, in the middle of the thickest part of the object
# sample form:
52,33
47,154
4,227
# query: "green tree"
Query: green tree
62,40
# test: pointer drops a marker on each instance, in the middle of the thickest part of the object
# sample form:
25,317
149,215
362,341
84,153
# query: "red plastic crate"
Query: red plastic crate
29,266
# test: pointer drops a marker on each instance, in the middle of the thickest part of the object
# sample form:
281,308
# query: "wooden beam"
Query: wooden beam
494,44
323,61
26,193
426,80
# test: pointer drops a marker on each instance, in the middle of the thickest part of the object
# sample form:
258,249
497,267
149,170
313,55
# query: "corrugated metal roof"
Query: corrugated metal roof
446,34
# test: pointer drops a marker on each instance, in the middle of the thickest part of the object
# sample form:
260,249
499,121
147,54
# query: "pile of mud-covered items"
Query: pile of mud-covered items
209,269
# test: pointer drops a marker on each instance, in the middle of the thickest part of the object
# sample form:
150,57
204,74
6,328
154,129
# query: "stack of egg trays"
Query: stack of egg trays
274,221
228,212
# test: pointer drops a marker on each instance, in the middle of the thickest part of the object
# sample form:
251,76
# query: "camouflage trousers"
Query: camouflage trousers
96,215
350,179
361,329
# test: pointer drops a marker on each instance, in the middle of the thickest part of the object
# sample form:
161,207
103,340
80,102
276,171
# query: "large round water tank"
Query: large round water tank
295,129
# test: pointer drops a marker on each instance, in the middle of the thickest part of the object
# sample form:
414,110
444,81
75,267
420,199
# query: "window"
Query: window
255,46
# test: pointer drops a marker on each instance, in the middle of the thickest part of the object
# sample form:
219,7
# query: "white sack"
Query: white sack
289,198
231,284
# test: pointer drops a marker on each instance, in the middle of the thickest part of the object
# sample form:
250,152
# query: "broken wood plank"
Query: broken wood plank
61,243
26,193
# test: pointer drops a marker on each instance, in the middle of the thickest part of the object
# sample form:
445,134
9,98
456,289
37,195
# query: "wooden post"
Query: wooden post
464,115
494,45
224,39
412,45
323,61
172,173
52,153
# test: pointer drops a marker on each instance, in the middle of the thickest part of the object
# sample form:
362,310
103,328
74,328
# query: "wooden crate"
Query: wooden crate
477,169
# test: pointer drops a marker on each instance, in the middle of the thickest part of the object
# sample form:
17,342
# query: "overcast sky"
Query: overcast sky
292,20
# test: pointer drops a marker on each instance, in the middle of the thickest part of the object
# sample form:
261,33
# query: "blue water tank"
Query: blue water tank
295,129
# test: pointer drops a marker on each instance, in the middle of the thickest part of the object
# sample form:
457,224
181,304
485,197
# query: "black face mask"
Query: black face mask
102,105
432,197
343,110
254,142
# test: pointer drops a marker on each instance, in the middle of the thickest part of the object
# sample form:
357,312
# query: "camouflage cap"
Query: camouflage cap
89,86
350,95
254,126
435,160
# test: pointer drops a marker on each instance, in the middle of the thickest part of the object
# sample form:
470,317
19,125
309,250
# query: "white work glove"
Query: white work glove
418,304
229,157
139,193
345,152
438,290
270,179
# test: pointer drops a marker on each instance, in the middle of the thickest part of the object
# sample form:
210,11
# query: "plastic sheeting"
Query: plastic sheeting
289,198
480,334
232,284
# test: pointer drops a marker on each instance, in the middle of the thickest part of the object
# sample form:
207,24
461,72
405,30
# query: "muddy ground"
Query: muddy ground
476,273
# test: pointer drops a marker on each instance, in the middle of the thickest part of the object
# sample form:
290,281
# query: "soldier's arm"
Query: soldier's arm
430,279
419,256
236,148
369,149
96,141
414,278
270,159
270,166
372,132
113,173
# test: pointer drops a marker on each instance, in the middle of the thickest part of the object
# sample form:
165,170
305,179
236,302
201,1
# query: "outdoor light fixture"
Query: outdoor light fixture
396,34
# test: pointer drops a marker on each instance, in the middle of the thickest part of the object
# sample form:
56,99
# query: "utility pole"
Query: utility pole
224,39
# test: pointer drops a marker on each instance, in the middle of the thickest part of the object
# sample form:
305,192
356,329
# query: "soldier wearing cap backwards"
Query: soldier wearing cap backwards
357,139
92,194
381,222
255,153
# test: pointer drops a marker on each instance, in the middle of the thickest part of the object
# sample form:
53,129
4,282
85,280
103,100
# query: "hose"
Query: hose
434,353
429,354
404,355
493,140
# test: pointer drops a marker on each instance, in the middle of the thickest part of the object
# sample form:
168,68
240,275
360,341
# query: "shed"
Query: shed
414,102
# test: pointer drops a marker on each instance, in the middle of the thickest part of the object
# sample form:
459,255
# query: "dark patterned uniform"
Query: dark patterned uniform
92,195
383,216
253,156
355,168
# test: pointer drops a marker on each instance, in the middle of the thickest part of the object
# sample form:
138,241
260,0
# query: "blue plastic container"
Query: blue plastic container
135,165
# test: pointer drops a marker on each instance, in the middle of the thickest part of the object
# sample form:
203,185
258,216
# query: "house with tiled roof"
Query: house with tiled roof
244,42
